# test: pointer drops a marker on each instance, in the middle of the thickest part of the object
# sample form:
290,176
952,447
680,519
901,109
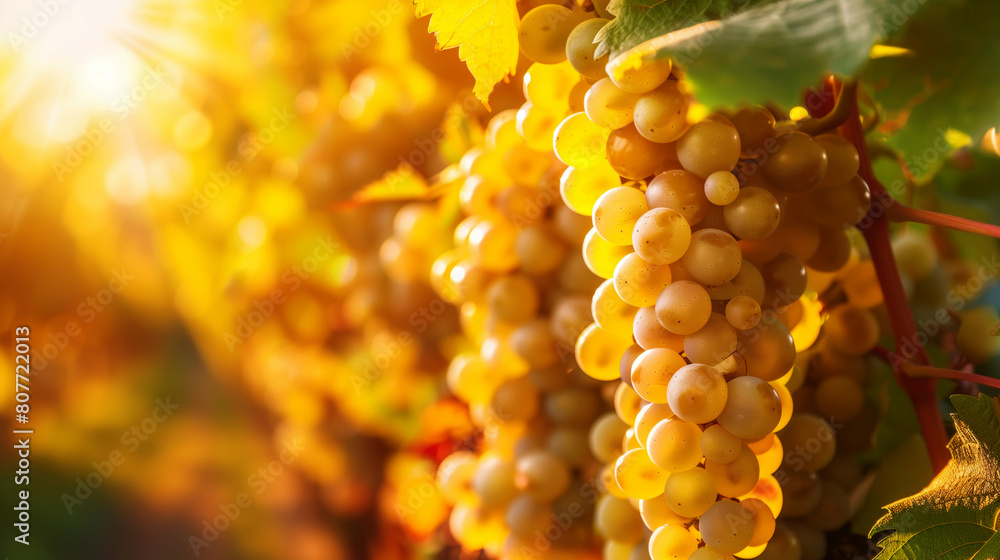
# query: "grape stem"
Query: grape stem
837,116
920,390
916,371
903,213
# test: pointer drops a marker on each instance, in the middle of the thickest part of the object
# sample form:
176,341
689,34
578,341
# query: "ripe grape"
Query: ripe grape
708,147
609,106
580,49
661,236
661,114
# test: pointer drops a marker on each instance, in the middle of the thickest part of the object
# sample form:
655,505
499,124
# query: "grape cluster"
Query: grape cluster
711,250
528,481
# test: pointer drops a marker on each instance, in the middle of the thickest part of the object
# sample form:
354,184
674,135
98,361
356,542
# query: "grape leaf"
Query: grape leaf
774,51
954,517
951,80
640,20
485,33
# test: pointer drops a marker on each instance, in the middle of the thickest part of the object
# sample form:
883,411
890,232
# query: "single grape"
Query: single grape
713,257
679,190
708,147
639,282
580,49
752,410
643,77
580,188
673,445
638,476
543,32
608,105
651,372
689,493
683,307
617,212
721,188
842,159
634,157
727,527
755,214
661,114
743,312
661,236
720,446
578,142
697,393
798,164
712,343
672,542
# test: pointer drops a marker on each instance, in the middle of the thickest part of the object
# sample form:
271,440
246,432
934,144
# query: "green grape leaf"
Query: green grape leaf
949,80
772,52
640,20
954,518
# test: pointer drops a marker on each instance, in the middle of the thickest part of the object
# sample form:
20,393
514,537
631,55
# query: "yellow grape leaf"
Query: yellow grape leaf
485,32
955,517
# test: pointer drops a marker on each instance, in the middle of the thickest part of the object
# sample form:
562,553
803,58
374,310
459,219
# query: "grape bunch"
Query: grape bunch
527,480
700,273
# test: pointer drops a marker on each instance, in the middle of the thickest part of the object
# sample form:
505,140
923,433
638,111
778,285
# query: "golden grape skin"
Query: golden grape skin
727,527
833,252
661,115
752,410
768,349
581,187
673,444
713,257
543,32
743,312
851,330
737,477
580,49
843,161
602,257
649,333
708,147
755,126
639,282
755,214
798,164
681,191
651,371
537,126
638,476
842,205
645,77
616,520
609,106
598,352
616,213
578,142
683,308
634,157
661,236
689,493
697,393
720,446
721,188
712,343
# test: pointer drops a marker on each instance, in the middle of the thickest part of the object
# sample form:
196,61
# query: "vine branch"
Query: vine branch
837,116
920,390
903,213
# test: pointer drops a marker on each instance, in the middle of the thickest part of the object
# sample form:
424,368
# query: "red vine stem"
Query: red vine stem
902,213
928,371
920,390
